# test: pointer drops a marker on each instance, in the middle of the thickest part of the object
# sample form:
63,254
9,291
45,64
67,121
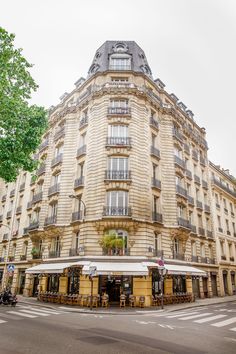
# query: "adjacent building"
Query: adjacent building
123,180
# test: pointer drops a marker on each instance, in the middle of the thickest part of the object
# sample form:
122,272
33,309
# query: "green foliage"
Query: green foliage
21,125
35,251
109,241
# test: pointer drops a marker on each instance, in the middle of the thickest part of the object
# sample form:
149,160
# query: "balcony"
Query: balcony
11,258
199,205
37,197
179,256
224,187
19,209
74,252
218,205
41,169
223,258
194,259
203,259
54,189
5,237
44,145
25,231
77,215
54,254
153,123
116,211
179,162
83,122
156,183
59,133
232,214
220,229
201,231
207,208
197,179
81,151
120,67
79,182
33,225
184,223
9,214
188,174
177,134
195,155
29,205
12,193
50,220
202,161
4,197
226,211
157,217
209,234
119,111
37,256
22,187
231,259
181,191
23,257
190,200
186,148
228,232
117,175
1,218
155,152
193,229
2,259
211,261
118,141
116,252
204,184
57,160
157,253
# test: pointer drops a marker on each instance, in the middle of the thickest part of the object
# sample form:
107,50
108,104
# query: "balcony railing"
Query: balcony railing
232,213
79,182
207,208
195,259
203,259
41,169
226,210
195,155
225,188
211,260
188,174
1,218
59,133
199,205
193,228
220,229
83,122
37,197
29,205
180,162
54,189
179,256
223,257
2,259
177,134
117,175
44,145
116,252
228,232
234,234
202,161
209,234
12,193
157,253
19,209
33,225
25,230
5,237
181,191
231,259
120,67
76,215
187,148
119,111
74,252
23,257
201,231
9,213
37,256
116,211
157,217
81,151
118,141
184,223
57,160
4,197
54,254
155,152
22,186
190,200
218,205
197,179
204,184
50,220
154,123
156,183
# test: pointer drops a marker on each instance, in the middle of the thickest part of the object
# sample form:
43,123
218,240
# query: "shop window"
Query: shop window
53,283
179,284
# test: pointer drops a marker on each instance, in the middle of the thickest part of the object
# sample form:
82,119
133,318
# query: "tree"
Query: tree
21,124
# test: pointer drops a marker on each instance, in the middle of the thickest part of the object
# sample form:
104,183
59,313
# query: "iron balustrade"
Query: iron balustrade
190,200
181,191
119,110
59,133
197,179
187,148
199,205
218,205
220,229
207,208
184,223
203,259
9,213
201,231
224,187
226,210
37,255
232,213
188,174
179,256
76,215
154,123
4,197
37,197
158,253
211,260
44,145
22,187
193,228
120,67
41,170
54,254
204,184
29,205
228,232
57,160
223,257
116,211
50,220
231,259
156,183
19,209
33,225
195,259
155,152
81,151
195,155
202,161
83,122
177,134
74,252
118,175
209,234
25,230
179,162
79,182
2,259
116,252
54,189
12,193
157,217
23,257
118,141
5,237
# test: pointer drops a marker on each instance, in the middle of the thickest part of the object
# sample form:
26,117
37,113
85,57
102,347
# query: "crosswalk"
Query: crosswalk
21,312
211,317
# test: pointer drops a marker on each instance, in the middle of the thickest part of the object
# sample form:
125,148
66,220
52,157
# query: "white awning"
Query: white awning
52,268
116,268
178,269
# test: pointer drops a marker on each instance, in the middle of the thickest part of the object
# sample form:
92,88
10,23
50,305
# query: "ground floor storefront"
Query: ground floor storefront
227,277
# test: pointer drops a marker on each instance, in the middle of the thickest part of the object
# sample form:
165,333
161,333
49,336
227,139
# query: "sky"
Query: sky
190,45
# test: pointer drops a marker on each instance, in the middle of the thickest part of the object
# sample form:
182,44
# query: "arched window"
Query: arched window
119,241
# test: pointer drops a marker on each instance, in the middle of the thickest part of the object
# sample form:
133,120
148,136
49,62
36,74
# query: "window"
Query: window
53,209
200,221
233,225
119,79
178,152
77,240
227,224
119,103
25,248
4,250
210,250
181,211
154,140
117,199
156,204
118,131
179,284
120,63
80,171
59,150
157,242
178,181
56,244
118,164
56,179
119,234
190,217
217,198
82,140
13,250
219,221
193,248
202,249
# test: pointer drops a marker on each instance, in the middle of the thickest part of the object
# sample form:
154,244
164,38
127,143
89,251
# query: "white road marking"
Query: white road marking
46,310
1,321
21,314
233,329
182,314
195,316
34,313
208,319
224,323
50,312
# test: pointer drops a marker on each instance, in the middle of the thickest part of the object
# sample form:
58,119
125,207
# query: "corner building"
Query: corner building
134,163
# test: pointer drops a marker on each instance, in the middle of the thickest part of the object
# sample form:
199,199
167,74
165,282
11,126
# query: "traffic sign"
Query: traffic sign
10,267
161,263
92,271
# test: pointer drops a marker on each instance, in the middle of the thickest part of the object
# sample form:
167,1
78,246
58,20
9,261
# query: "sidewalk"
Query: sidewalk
126,311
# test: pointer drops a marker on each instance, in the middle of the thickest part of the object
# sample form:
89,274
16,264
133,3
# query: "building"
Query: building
123,181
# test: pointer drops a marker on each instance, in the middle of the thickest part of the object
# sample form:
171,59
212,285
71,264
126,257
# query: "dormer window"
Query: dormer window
120,62
120,48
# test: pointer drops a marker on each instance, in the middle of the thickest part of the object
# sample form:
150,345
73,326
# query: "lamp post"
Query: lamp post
72,196
6,257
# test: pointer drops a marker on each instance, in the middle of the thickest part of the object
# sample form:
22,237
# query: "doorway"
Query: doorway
21,282
214,285
225,282
196,287
35,286
114,286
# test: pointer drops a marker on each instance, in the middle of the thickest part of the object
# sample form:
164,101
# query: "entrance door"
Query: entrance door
205,289
35,286
225,283
114,286
196,287
21,282
214,285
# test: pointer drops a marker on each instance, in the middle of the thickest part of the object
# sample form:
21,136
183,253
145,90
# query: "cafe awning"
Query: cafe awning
52,268
178,269
116,268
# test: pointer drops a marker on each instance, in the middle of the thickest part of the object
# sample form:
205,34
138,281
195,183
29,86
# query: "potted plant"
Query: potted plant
118,244
35,253
107,242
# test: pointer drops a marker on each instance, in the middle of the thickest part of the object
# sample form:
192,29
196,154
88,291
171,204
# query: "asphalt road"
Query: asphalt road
32,330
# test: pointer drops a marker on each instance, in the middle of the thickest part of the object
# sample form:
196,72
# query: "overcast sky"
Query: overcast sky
190,45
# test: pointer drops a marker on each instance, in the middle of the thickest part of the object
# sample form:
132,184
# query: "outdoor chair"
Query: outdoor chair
154,301
141,301
122,300
105,301
132,301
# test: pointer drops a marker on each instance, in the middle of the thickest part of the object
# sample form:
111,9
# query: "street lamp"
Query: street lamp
6,257
72,196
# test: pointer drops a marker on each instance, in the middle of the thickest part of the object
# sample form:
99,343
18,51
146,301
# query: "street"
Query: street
37,329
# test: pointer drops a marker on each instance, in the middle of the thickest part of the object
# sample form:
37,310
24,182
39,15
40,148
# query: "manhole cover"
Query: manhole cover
97,340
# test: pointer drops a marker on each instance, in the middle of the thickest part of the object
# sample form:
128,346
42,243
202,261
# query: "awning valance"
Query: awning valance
178,269
52,268
117,268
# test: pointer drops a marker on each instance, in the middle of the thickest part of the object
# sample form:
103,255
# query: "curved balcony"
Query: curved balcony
156,183
179,162
76,216
33,225
184,223
177,134
57,160
54,189
59,133
22,187
181,191
79,182
83,122
201,231
197,179
81,151
50,220
44,145
154,123
119,111
37,197
116,211
157,217
41,170
118,141
120,175
155,152
177,255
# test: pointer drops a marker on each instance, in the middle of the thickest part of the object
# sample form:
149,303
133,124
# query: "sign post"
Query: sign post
161,267
92,273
